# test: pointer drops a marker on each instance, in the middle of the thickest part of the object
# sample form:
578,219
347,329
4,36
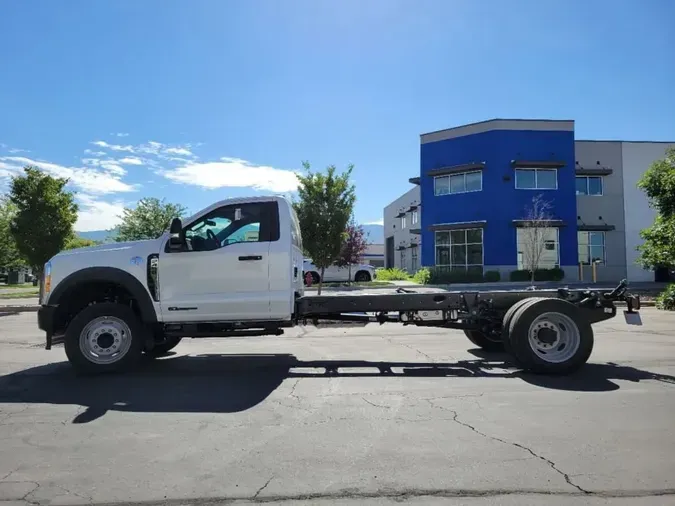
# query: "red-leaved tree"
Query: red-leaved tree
354,246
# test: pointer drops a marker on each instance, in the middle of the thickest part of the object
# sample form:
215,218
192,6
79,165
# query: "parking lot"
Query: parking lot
341,415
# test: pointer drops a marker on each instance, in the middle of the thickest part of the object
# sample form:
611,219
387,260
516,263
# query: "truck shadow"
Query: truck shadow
234,383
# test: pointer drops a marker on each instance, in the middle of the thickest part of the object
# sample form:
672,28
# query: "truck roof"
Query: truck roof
236,200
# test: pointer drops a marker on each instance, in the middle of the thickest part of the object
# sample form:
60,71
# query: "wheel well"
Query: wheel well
362,271
81,295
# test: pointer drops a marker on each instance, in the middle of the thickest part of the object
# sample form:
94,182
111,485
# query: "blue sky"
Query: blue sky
201,100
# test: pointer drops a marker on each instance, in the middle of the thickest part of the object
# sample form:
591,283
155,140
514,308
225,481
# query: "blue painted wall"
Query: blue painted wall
499,203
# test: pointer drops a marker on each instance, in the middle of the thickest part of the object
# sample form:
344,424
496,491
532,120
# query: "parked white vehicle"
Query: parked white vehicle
359,272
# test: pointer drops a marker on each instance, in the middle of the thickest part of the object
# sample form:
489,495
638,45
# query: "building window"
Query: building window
460,249
459,183
403,260
536,179
403,222
413,259
591,247
414,217
538,247
589,185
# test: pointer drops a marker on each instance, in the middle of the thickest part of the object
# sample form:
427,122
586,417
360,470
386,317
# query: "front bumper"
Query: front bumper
45,317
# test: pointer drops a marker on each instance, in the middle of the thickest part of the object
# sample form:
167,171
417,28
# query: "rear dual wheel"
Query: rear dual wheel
485,341
548,335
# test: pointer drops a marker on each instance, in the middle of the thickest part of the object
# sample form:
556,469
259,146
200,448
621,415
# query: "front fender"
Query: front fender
107,275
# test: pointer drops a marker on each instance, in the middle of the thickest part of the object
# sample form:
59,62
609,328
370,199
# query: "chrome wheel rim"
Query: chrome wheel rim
105,340
554,337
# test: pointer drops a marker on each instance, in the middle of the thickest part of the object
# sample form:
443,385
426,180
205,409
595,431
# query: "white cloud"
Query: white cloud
17,150
233,173
114,147
97,214
179,151
87,179
376,222
109,165
95,153
130,160
150,147
121,134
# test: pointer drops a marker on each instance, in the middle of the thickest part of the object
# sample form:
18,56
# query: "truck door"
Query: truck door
222,274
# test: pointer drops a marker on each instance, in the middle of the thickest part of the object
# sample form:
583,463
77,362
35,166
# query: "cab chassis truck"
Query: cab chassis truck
235,268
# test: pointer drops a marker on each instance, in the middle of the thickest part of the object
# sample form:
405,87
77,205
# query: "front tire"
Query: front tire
362,277
106,337
550,336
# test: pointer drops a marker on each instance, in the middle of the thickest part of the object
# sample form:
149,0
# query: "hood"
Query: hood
110,247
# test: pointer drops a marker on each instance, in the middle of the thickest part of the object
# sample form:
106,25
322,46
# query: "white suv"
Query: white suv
359,272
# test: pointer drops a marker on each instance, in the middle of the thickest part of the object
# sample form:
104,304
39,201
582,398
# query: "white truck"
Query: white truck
236,268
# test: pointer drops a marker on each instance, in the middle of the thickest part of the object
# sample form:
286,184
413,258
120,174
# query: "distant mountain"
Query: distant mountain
375,233
99,235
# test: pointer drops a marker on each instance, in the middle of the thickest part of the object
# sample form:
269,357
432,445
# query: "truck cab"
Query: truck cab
236,263
235,260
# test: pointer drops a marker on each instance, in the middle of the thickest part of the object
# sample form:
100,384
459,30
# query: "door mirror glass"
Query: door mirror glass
176,235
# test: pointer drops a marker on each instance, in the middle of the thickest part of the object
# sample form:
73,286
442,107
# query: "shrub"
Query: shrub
520,275
441,276
422,276
554,274
392,274
492,276
666,299
557,274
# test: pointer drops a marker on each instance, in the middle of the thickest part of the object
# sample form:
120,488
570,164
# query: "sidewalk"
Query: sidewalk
19,305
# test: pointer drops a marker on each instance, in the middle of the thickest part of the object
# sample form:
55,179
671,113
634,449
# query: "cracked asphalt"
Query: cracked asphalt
373,415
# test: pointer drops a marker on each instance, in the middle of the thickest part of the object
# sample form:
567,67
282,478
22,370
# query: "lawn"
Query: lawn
24,294
23,286
364,284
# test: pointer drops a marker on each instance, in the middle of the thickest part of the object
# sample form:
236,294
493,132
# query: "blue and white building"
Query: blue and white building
475,189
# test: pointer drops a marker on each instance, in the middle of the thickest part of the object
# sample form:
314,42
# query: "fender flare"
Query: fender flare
108,275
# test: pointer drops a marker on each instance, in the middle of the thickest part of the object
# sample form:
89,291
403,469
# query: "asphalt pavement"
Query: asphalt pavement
353,415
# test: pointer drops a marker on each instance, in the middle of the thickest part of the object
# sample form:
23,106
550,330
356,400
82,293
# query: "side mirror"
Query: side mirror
176,235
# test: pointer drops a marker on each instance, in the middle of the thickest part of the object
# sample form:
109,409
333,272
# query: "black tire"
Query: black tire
79,360
483,341
315,278
506,323
534,362
362,277
163,348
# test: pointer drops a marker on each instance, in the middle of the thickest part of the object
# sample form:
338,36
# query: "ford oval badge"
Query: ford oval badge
136,261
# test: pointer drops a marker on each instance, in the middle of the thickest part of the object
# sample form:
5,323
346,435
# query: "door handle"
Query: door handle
250,257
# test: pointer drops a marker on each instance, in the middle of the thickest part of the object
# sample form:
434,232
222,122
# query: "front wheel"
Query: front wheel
362,277
550,336
104,337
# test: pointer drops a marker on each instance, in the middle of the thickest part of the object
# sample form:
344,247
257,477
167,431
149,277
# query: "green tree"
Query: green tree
353,247
76,241
658,183
9,254
44,217
148,220
324,206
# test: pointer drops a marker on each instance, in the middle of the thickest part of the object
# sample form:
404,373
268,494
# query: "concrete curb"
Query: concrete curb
18,309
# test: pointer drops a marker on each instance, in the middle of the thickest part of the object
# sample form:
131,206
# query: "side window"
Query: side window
232,224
